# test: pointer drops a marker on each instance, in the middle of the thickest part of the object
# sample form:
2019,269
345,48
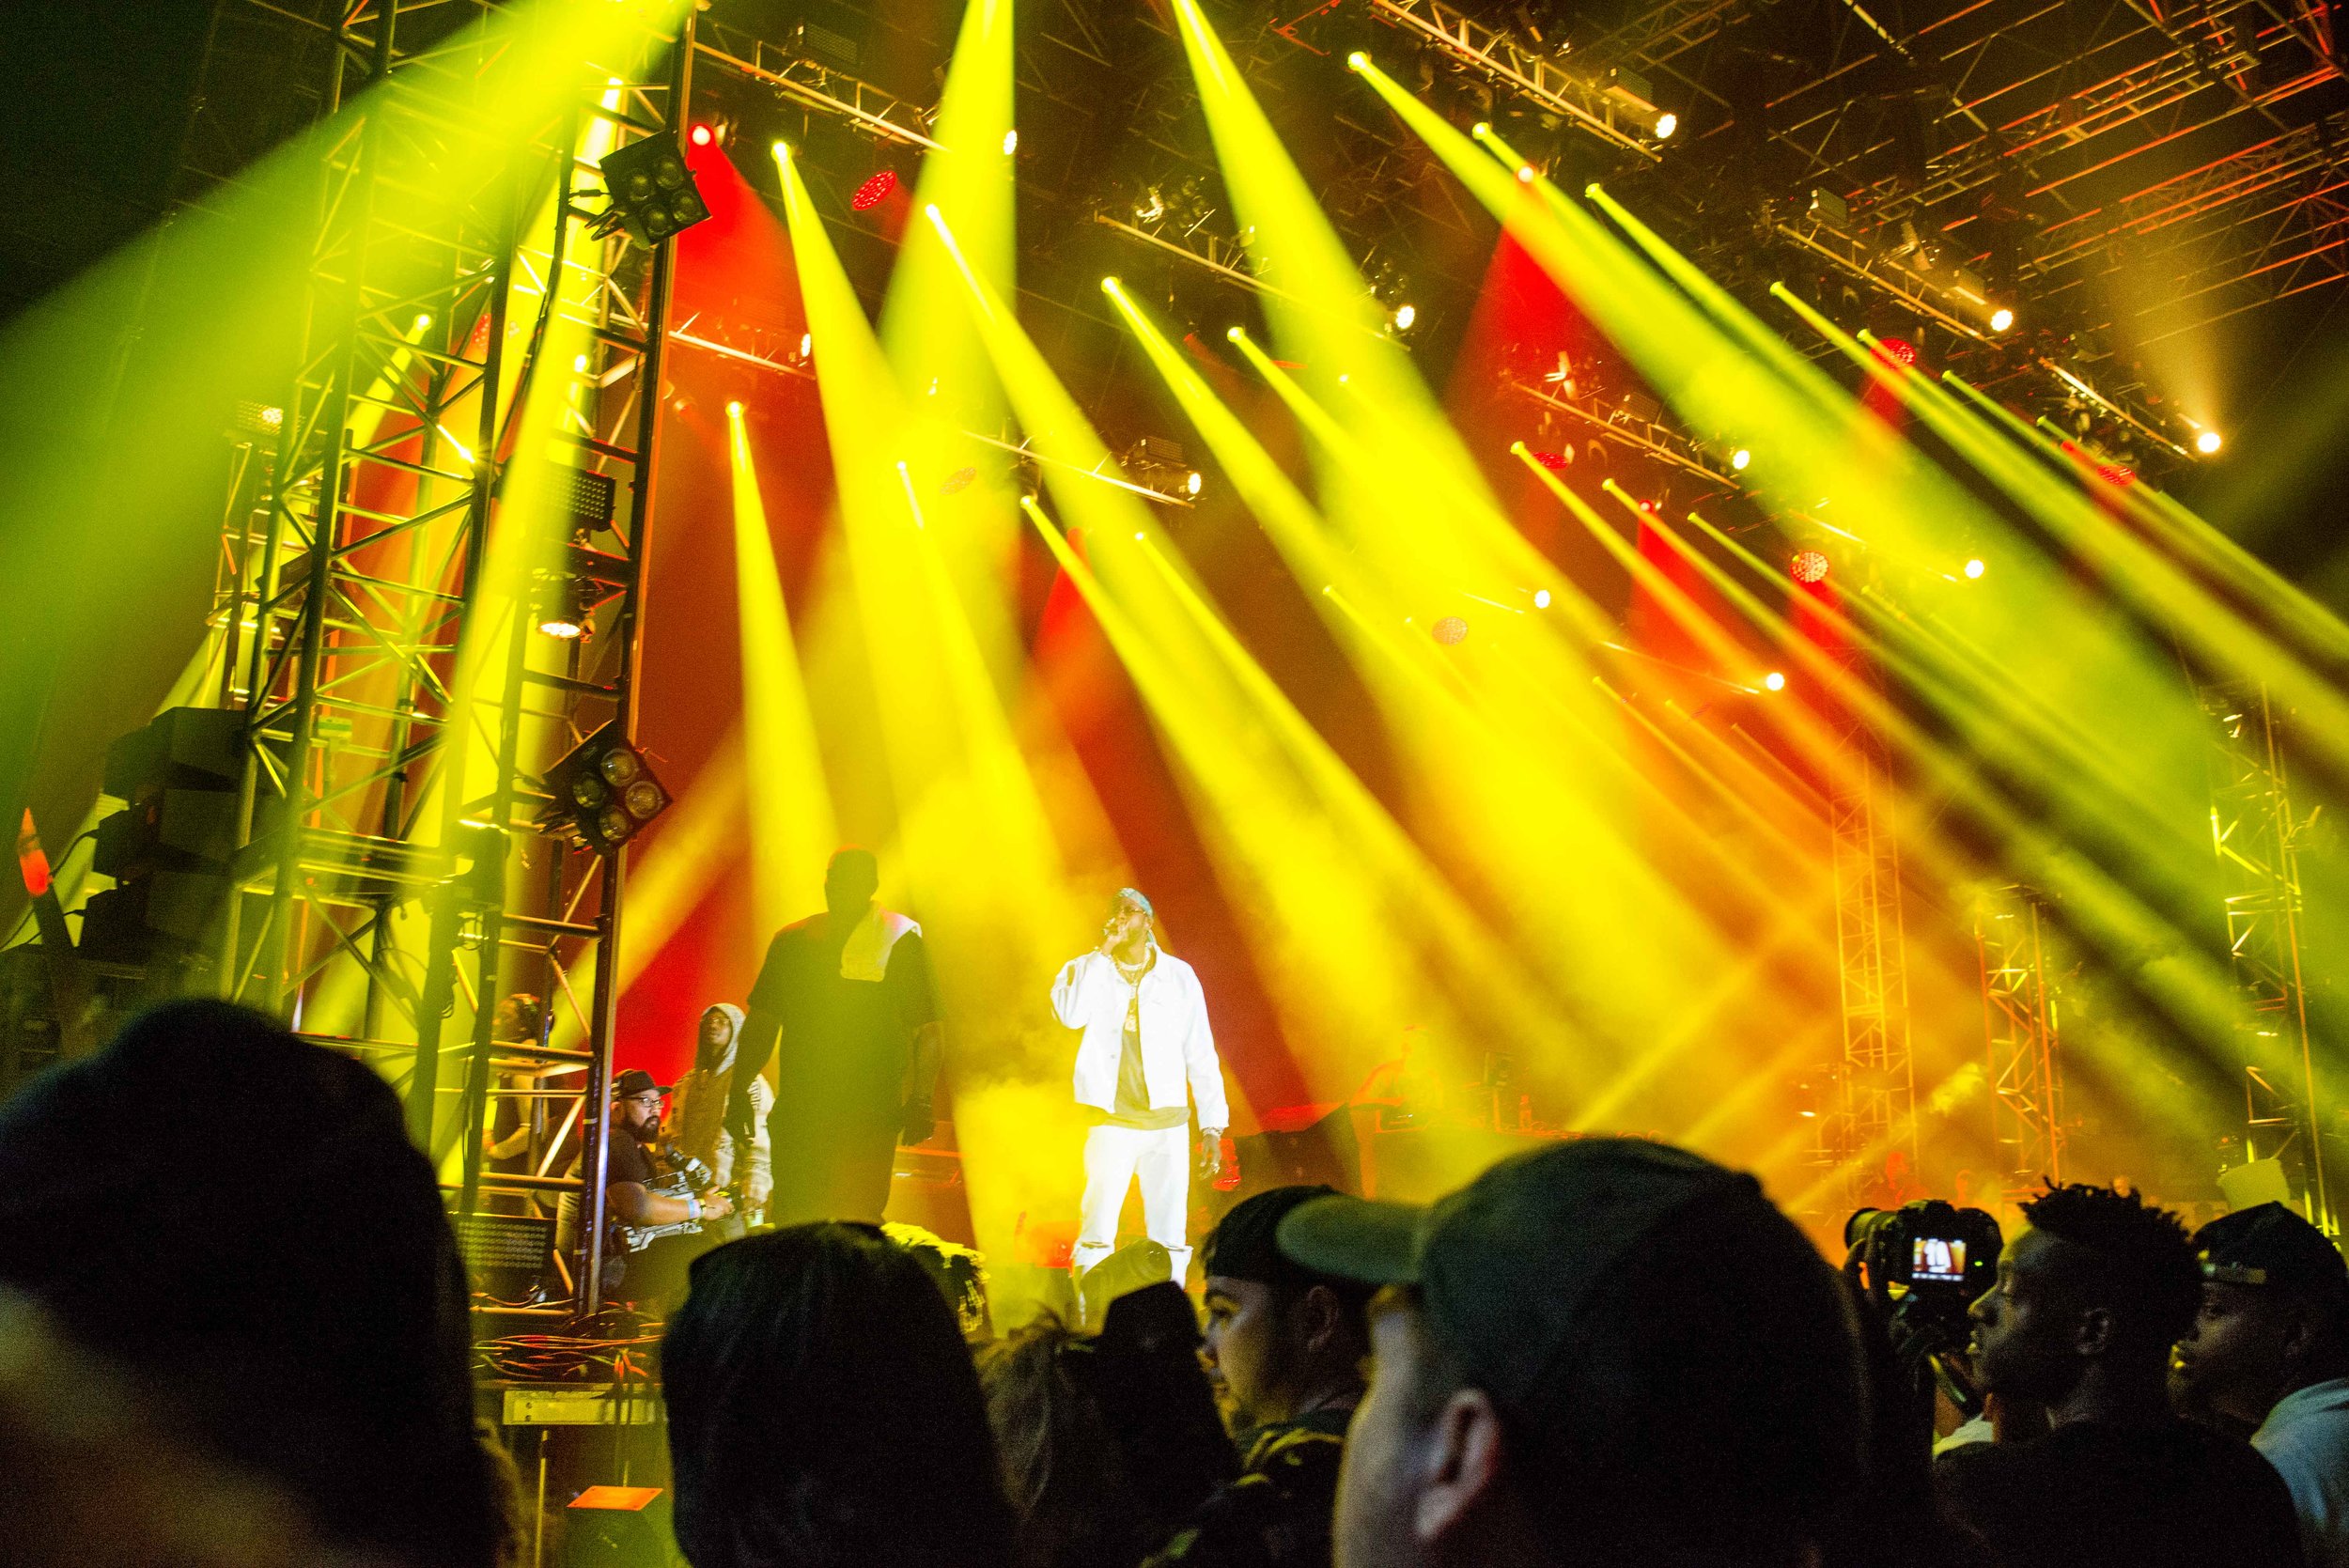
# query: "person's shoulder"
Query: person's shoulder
1178,967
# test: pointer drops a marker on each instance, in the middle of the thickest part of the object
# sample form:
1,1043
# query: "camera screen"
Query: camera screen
1937,1260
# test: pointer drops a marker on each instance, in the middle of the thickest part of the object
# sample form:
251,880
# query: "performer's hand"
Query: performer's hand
716,1205
1212,1151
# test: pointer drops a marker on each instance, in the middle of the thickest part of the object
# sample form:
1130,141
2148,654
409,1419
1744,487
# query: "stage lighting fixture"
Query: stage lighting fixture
734,409
2001,319
1808,566
651,191
807,345
1554,461
1481,129
702,135
604,793
1110,285
1525,174
1451,631
1011,142
1739,458
1356,61
1974,568
2120,474
874,191
1405,314
2207,442
1193,482
1774,680
1235,334
1666,124
562,606
958,481
1898,349
1541,599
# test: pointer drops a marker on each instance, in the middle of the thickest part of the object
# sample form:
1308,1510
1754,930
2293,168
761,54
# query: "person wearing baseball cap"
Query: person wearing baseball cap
1604,1352
658,1271
1284,1348
2269,1349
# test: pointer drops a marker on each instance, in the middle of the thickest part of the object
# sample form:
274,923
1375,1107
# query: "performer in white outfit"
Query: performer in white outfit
1145,1057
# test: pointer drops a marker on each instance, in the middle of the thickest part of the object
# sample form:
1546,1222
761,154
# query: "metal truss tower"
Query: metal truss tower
2019,1017
472,430
1874,1112
2255,832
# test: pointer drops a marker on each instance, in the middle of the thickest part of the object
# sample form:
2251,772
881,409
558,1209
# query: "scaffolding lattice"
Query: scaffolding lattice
1873,1116
2019,1008
2256,835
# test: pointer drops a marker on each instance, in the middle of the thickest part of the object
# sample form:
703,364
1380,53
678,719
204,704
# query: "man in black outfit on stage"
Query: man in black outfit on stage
2089,1298
848,996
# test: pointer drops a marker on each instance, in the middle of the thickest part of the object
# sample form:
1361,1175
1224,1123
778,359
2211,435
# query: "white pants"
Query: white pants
1113,1157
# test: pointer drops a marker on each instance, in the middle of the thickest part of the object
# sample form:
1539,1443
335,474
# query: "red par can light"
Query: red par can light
1554,461
874,191
1808,566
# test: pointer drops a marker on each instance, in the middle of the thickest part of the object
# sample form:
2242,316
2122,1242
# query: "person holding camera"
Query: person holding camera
1145,1056
2088,1302
2269,1349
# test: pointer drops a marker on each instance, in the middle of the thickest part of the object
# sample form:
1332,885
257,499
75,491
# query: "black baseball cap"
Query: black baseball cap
1242,1244
632,1083
2268,1245
1644,1320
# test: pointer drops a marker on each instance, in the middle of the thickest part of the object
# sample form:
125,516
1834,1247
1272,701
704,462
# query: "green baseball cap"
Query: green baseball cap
1643,1319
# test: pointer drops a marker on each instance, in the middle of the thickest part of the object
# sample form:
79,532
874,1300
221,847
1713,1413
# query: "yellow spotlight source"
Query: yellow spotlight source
1525,174
2001,319
1481,129
1356,61
1235,334
1111,285
783,152
734,409
1405,314
1541,599
2207,443
1739,458
1666,124
1774,680
1011,142
1193,482
1974,568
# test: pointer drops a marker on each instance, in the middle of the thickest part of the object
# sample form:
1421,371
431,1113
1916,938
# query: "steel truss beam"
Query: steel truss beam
1506,61
2256,834
811,85
1659,440
392,887
1874,1112
2020,1020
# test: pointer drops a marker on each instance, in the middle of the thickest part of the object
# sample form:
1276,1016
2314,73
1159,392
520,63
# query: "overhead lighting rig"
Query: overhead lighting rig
1605,107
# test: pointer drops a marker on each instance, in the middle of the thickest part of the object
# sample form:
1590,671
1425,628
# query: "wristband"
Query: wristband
693,1208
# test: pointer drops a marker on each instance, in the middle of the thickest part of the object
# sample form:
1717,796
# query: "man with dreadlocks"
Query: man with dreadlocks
2088,1302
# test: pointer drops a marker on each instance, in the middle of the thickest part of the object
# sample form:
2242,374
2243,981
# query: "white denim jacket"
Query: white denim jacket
1176,1044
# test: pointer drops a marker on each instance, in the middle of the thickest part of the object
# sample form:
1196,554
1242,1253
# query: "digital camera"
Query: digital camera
1927,1262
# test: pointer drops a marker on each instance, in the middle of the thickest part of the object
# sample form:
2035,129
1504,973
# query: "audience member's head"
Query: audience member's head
2088,1300
1062,1460
1281,1338
960,1272
823,1410
1606,1351
296,1307
2273,1315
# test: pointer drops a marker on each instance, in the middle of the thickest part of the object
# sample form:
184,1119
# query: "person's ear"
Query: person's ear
1462,1471
1318,1317
2301,1327
2092,1332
